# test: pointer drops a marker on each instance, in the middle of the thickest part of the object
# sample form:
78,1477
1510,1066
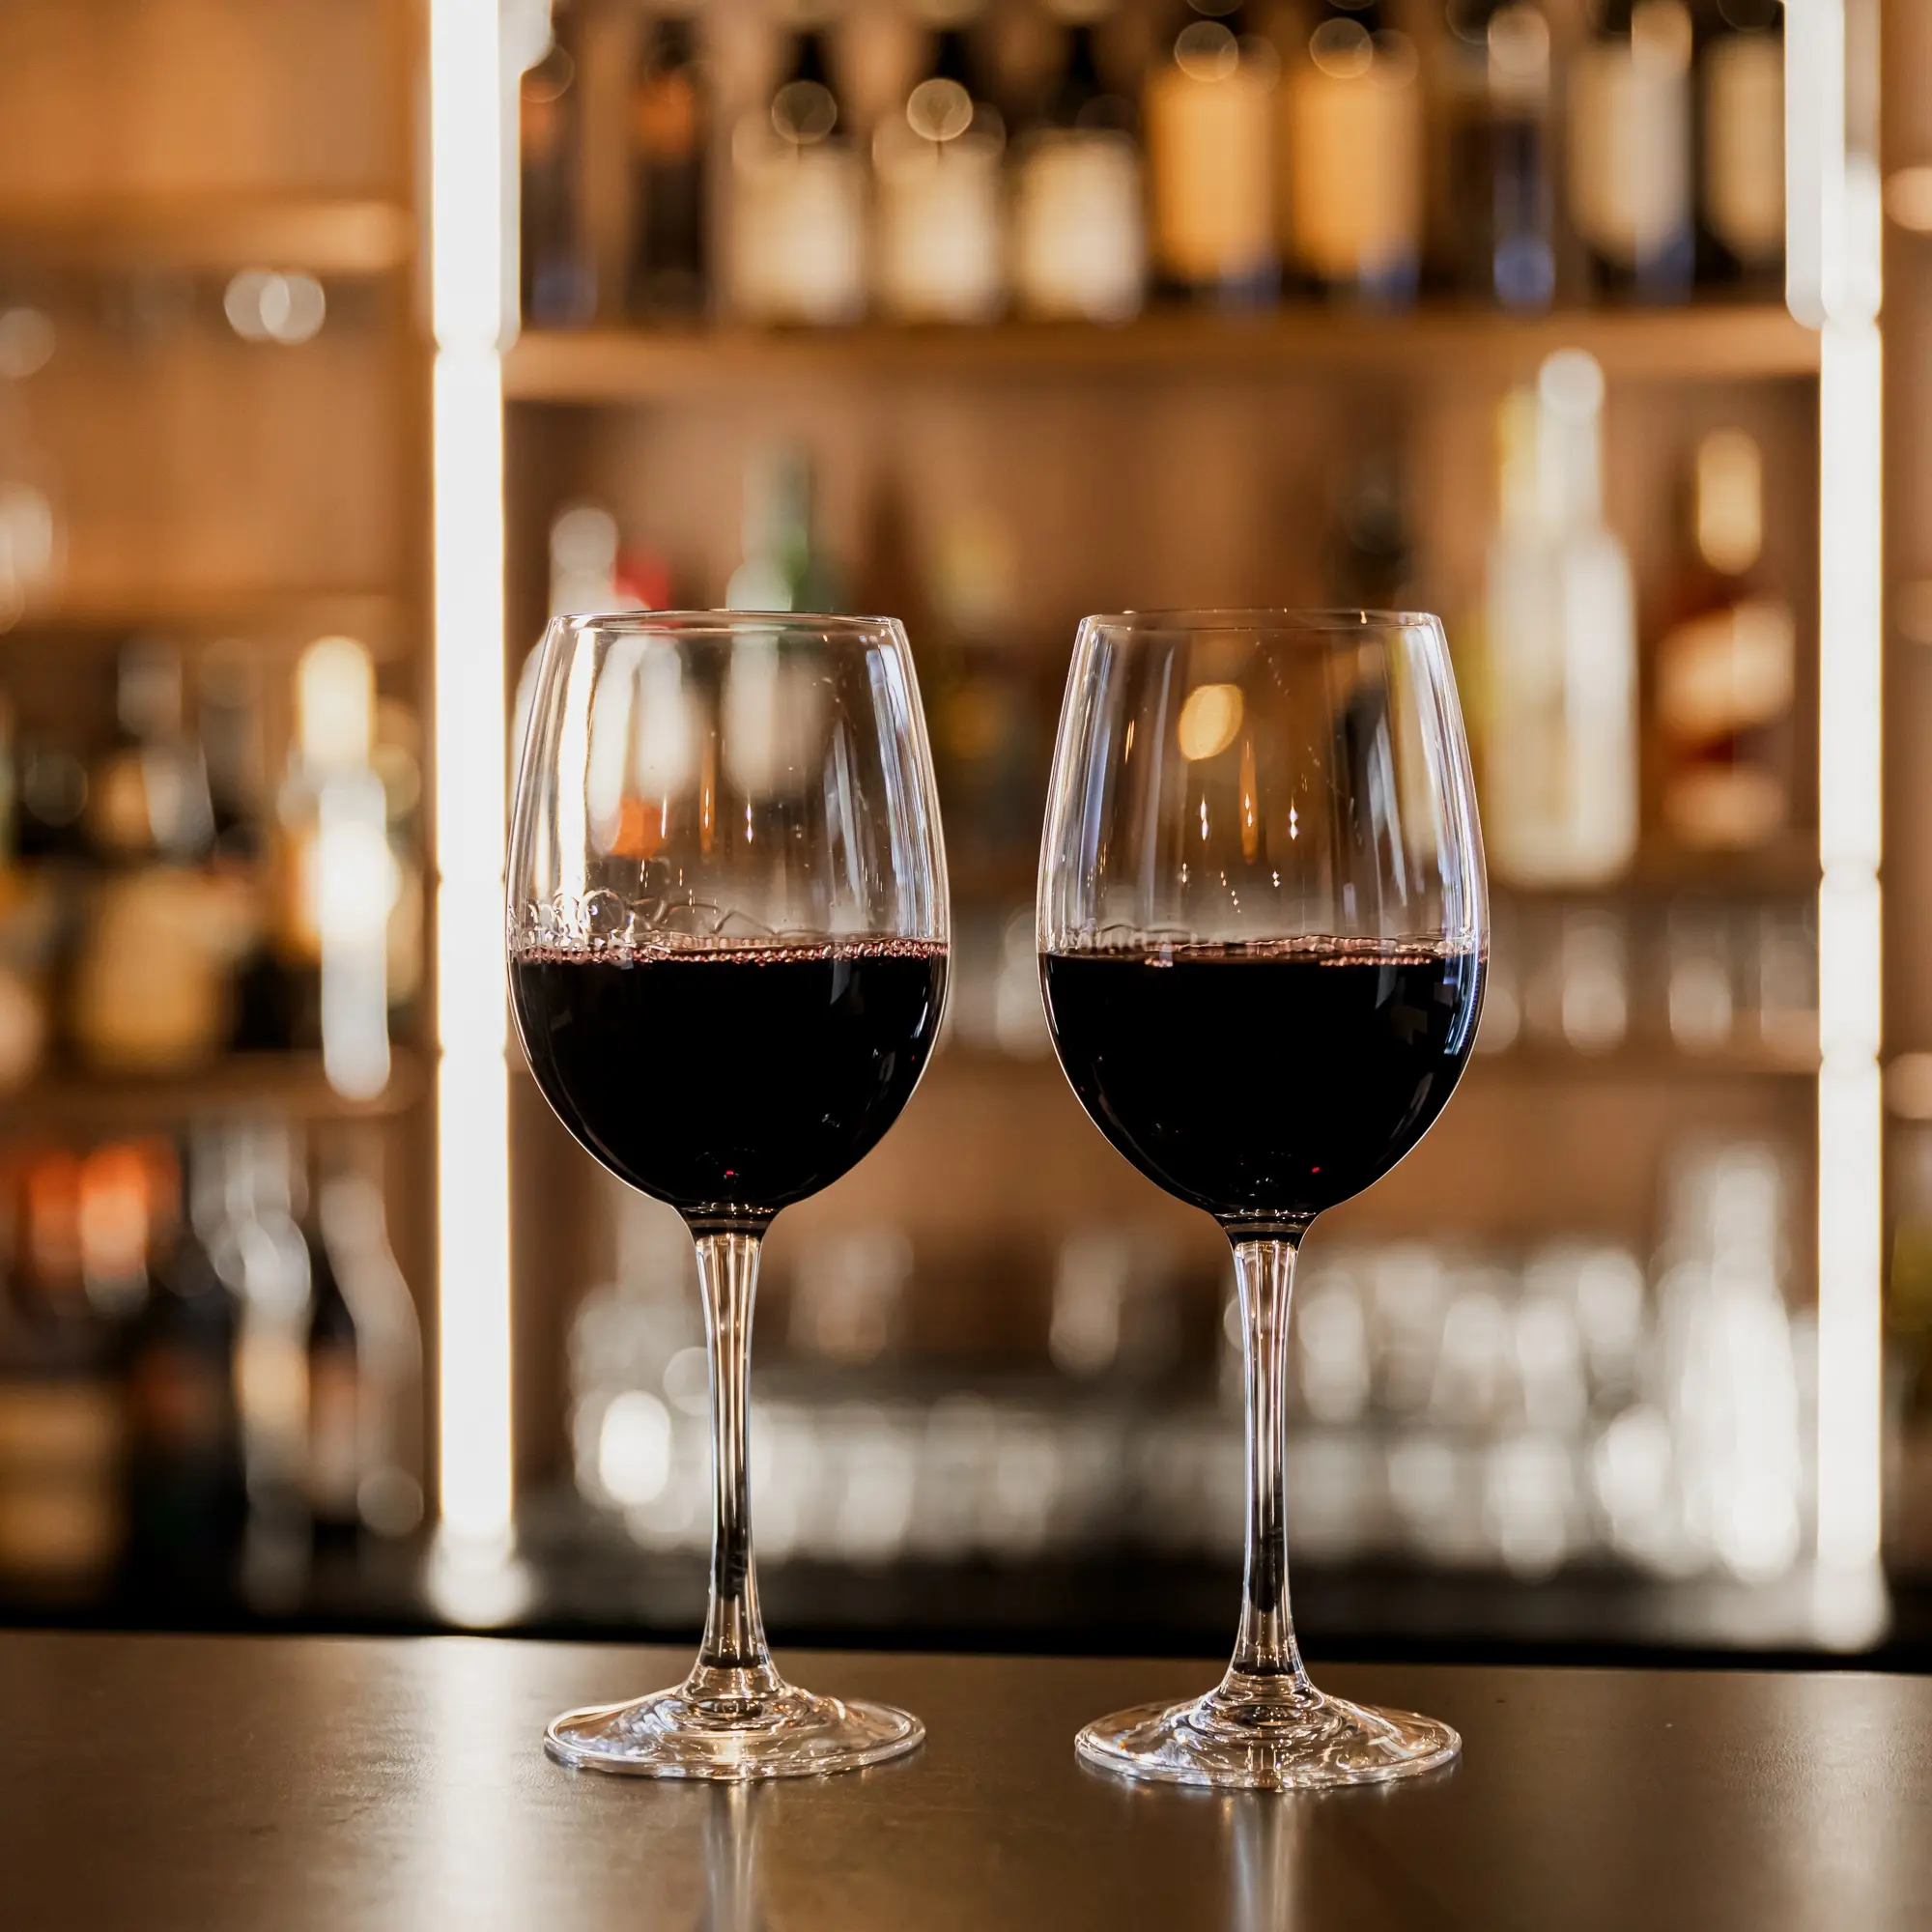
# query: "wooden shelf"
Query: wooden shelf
1642,1061
1787,867
273,616
281,1083
1712,341
327,236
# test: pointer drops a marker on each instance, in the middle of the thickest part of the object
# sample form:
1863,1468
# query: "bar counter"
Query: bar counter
287,1782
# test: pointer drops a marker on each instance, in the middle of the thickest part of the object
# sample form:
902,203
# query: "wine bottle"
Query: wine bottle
1209,117
784,567
1498,211
1726,668
1740,148
1631,191
669,139
940,254
798,216
557,282
1562,764
1351,149
1079,240
333,1469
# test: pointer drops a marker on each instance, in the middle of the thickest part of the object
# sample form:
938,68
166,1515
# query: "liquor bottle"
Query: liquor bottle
148,796
334,1465
784,567
798,214
1351,150
1562,764
1208,110
1498,214
1740,148
941,247
1629,156
187,1503
558,284
1725,669
60,1516
670,160
388,1347
1079,245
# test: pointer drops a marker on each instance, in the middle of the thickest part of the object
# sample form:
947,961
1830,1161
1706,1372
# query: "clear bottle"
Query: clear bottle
558,283
799,190
1499,208
1562,754
1630,156
669,127
940,253
1740,147
1726,668
1079,244
1352,152
1208,110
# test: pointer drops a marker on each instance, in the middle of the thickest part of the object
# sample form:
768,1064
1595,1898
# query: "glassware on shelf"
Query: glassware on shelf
1700,987
1561,764
749,909
1262,841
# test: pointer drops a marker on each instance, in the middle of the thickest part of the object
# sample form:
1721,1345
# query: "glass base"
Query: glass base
1259,1738
789,1733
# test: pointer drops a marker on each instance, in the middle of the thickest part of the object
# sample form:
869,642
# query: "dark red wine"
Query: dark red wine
1265,1082
731,1083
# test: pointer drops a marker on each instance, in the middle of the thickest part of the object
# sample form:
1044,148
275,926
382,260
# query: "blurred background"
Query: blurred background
1557,317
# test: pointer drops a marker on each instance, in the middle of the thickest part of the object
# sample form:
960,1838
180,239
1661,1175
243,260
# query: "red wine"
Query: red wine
1265,1082
731,1083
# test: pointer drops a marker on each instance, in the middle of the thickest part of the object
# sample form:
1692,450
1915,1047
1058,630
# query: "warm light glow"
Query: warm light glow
1835,276
1208,720
467,278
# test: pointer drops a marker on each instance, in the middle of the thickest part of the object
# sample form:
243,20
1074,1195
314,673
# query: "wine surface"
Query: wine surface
1265,1082
731,1083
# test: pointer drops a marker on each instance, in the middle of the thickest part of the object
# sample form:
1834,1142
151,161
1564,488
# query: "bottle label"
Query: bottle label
939,253
1079,248
1743,146
798,230
1210,154
1352,150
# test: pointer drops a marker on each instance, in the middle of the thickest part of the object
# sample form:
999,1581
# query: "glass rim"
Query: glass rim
691,623
1272,622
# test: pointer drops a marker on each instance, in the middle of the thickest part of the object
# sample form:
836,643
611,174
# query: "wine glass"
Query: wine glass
1262,936
727,944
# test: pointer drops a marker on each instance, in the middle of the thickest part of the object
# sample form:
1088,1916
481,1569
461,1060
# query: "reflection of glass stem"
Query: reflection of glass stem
1265,1834
731,1861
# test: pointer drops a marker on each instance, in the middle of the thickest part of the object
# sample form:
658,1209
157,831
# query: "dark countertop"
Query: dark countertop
286,1783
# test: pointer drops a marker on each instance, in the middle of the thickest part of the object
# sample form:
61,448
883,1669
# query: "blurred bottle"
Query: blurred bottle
61,1516
670,162
29,904
1498,208
1352,150
1208,110
187,1500
1740,175
1630,186
558,285
941,241
1079,245
334,1465
1371,547
799,188
152,990
1562,758
1726,668
379,1344
52,799
783,568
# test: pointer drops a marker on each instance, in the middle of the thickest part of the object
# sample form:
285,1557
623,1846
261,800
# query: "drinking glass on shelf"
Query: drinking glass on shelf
727,944
1263,928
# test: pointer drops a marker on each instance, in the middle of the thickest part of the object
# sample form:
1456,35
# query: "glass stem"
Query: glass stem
734,1666
1267,1662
